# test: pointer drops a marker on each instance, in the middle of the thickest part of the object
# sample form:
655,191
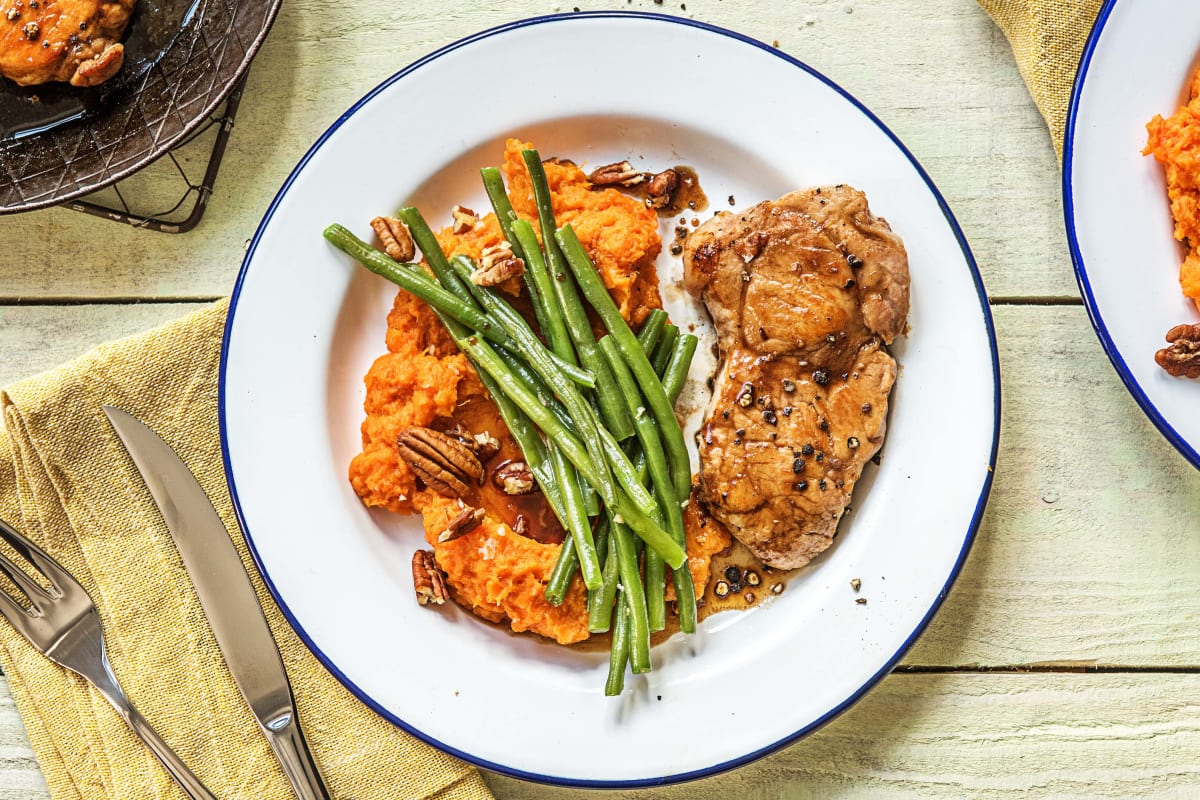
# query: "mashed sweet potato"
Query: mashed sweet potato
1175,143
424,380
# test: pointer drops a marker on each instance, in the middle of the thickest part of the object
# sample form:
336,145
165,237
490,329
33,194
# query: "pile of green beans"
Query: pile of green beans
594,418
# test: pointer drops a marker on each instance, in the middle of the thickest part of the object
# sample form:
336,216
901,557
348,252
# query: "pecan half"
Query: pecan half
463,523
1182,358
515,477
445,464
464,219
620,173
428,581
661,187
397,241
496,265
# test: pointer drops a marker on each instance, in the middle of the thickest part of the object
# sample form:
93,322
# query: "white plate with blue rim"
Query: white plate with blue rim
1118,217
305,324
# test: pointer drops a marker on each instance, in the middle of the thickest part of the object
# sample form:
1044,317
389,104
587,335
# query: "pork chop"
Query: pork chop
77,41
805,293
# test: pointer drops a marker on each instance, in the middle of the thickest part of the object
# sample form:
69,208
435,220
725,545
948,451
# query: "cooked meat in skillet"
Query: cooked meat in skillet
805,292
62,40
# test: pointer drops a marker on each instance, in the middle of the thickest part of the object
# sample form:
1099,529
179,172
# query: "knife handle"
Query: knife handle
287,740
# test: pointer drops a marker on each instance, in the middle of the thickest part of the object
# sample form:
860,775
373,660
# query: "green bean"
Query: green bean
651,330
596,292
577,521
633,594
618,658
415,282
555,326
600,602
662,353
493,184
563,571
675,374
612,411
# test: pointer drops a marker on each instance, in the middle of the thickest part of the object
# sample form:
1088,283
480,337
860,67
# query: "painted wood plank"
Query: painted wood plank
973,735
927,736
36,338
936,71
1088,552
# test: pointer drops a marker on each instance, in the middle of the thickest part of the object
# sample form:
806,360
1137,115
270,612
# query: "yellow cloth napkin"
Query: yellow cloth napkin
1047,38
66,482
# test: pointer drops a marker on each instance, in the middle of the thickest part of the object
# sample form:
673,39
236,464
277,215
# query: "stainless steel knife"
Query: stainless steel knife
227,597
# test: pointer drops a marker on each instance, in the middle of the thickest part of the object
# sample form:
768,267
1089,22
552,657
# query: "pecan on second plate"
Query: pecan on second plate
1182,357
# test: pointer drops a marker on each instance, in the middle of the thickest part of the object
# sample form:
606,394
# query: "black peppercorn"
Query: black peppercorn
807,450
820,377
769,417
798,465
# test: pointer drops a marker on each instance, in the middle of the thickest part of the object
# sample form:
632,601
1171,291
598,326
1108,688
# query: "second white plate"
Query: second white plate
1117,214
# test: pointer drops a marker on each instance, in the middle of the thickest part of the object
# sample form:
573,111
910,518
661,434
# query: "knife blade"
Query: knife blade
227,596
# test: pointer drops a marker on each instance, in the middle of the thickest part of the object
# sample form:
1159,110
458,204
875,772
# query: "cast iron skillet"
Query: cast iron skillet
182,57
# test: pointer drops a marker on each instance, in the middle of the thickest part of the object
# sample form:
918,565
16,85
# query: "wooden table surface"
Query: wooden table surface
1066,660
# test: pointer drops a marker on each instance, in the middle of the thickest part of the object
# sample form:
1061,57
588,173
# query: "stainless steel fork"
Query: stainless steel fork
63,624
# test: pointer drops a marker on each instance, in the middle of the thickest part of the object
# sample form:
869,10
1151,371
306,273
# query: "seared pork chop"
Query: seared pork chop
805,292
62,40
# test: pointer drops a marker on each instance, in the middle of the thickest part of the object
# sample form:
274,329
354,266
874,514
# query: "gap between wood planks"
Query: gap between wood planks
1050,667
106,301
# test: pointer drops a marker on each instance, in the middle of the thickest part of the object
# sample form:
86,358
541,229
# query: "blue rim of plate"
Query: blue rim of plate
1173,436
746,758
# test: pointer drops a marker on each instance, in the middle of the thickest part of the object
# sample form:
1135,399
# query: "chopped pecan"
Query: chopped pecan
463,523
620,173
484,444
660,188
428,581
1182,358
496,265
445,464
397,241
464,219
514,477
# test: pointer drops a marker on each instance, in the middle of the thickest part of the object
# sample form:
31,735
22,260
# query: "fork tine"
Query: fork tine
14,612
40,561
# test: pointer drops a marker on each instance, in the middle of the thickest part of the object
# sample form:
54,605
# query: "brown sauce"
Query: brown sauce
540,524
688,195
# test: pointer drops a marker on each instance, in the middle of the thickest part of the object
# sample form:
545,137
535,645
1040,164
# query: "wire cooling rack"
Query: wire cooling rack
183,179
